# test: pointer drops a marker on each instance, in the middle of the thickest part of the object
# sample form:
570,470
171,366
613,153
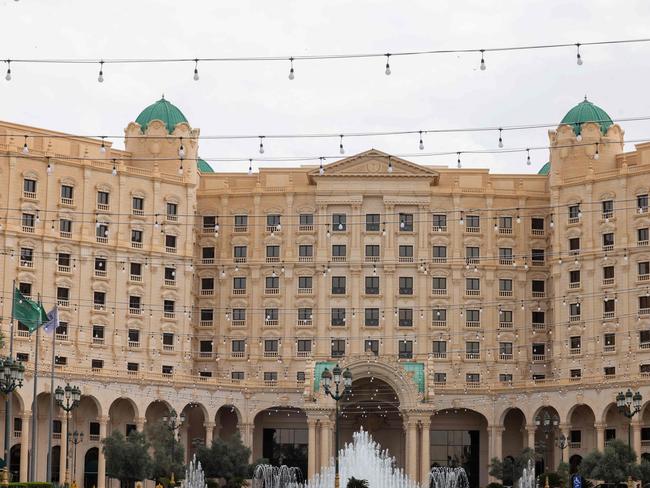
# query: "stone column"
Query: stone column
101,460
600,436
636,437
64,450
531,428
425,446
311,447
411,448
325,442
246,431
139,424
209,432
24,447
495,443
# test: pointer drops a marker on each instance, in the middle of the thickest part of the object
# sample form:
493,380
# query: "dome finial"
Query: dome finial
585,98
163,97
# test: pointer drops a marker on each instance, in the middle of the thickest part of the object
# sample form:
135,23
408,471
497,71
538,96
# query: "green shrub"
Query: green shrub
32,484
494,485
357,483
554,480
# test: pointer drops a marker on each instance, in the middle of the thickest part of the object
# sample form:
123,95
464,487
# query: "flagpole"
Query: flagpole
48,477
9,395
32,465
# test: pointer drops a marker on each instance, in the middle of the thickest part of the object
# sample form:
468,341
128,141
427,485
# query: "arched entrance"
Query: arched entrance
280,435
90,467
14,462
226,421
55,462
547,420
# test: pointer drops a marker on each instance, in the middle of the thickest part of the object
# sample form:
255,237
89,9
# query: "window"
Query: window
134,335
472,378
270,345
63,296
473,316
505,378
172,209
25,289
339,222
240,252
135,304
63,260
338,316
96,364
136,236
371,346
538,350
405,285
609,340
644,336
99,298
304,345
304,282
440,378
439,253
241,222
273,252
300,376
537,224
574,212
505,317
273,221
167,369
67,194
642,235
103,199
609,371
65,227
406,252
28,220
439,348
574,277
505,255
338,285
610,435
170,241
26,256
406,222
239,283
608,240
62,329
642,203
439,285
575,343
405,349
168,306
473,222
339,250
372,250
574,245
305,250
23,357
137,205
372,317
29,186
101,231
271,314
538,286
98,332
472,284
537,256
237,375
505,223
100,265
132,367
574,310
238,345
439,222
608,208
372,222
473,347
61,360
306,220
439,316
239,314
405,317
207,283
644,303
338,348
207,315
505,348
472,254
209,223
272,282
207,254
608,272
305,314
575,436
135,270
505,286
538,317
372,285
609,307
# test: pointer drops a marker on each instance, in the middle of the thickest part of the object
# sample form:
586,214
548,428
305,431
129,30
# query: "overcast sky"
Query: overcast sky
424,92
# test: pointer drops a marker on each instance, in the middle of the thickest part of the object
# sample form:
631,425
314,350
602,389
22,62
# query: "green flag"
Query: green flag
28,312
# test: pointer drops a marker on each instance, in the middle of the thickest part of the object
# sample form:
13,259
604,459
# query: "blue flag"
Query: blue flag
52,323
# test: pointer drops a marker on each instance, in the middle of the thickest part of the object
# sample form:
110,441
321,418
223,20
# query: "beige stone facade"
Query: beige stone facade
472,301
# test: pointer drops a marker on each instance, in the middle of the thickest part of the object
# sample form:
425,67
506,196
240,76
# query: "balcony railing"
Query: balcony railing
305,291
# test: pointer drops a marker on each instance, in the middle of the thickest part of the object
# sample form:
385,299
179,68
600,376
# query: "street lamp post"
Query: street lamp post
171,422
629,404
548,424
337,395
76,438
68,399
12,374
562,443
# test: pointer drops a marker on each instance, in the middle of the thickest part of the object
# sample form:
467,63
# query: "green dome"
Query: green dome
204,167
161,110
586,111
545,170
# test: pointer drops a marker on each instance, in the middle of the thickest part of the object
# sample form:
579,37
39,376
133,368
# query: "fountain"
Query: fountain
364,459
527,479
448,477
267,476
194,476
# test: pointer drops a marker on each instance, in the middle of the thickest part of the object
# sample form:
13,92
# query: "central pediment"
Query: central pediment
373,164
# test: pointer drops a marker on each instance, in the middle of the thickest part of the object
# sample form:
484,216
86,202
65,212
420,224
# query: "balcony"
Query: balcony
574,351
237,354
473,324
305,322
576,318
575,445
439,355
538,262
28,228
170,250
271,354
272,228
63,234
99,341
135,278
272,259
135,311
305,259
505,230
608,315
172,217
271,322
240,229
170,282
473,356
69,202
505,357
539,326
574,285
207,293
574,220
472,293
372,259
439,260
62,337
537,232
608,281
205,355
439,228
506,261
239,291
303,354
104,207
505,293
239,323
137,211
208,229
26,264
505,325
405,259
339,259
99,307
609,348
169,315
439,291
134,344
539,357
136,245
644,345
271,291
607,215
642,243
473,230
644,311
539,294
101,240
63,303
305,291
305,228
239,259
643,277
64,269
100,273
439,323
608,247
207,261
206,323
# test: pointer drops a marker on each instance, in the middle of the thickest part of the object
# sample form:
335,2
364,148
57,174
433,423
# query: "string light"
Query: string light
390,165
596,154
387,65
8,75
500,139
321,170
578,57
291,72
458,161
180,168
261,144
102,148
114,172
49,166
25,148
250,167
421,146
196,70
100,77
528,162
181,149
482,60
341,149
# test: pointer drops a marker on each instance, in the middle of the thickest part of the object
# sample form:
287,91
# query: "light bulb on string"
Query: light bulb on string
458,161
390,165
579,134
291,72
341,149
387,65
49,166
8,75
261,144
528,162
597,154
196,70
250,167
25,148
500,138
421,146
100,77
114,172
102,148
321,170
181,149
578,57
482,60
180,168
